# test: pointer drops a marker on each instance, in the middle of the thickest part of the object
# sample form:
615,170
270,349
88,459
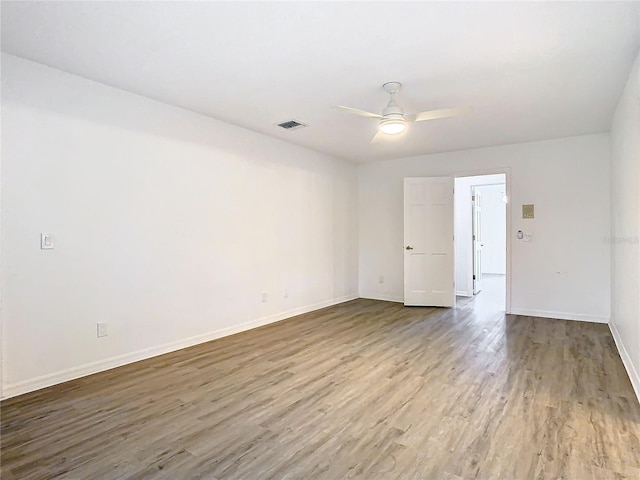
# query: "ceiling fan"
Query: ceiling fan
393,120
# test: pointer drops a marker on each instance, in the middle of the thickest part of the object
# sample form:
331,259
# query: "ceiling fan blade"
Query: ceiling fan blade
355,111
435,114
378,137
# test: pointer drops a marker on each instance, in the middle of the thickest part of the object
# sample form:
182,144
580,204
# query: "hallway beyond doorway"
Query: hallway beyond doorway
492,295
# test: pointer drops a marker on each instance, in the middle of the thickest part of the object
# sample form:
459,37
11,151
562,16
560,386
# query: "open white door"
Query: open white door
476,220
428,242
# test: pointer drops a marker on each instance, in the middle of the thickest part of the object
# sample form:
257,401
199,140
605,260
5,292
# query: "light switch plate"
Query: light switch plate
46,241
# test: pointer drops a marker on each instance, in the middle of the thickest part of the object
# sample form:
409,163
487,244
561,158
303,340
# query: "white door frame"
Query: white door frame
507,180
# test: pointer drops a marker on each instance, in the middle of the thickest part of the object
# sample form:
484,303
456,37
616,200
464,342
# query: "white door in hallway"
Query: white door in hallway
428,242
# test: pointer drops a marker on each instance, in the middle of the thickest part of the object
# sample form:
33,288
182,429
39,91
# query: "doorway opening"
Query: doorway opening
481,225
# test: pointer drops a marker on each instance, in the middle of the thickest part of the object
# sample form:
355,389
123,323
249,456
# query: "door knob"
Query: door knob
408,248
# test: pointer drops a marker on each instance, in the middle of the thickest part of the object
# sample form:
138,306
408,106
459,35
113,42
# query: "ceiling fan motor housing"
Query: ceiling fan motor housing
393,121
392,108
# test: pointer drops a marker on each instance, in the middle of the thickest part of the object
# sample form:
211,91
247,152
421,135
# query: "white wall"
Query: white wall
625,226
463,229
168,225
563,273
493,229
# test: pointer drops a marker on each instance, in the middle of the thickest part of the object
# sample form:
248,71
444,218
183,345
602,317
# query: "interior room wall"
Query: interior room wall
463,229
625,226
168,225
563,273
493,227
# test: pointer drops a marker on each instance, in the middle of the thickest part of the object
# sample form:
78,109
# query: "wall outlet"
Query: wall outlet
381,279
264,297
46,241
285,294
103,329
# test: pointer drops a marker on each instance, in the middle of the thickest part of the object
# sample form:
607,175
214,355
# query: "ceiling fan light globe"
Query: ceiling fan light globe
392,127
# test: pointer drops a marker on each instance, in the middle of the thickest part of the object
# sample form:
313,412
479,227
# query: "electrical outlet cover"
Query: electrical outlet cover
103,329
46,241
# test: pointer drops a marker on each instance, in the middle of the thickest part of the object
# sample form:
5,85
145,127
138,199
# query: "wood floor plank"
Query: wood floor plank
362,390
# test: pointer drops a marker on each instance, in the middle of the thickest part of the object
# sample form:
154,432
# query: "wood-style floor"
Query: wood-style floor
365,389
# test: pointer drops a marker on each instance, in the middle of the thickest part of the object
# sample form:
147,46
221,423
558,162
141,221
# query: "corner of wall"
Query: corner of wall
634,376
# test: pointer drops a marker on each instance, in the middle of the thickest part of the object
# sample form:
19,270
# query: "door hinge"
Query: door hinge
473,198
474,277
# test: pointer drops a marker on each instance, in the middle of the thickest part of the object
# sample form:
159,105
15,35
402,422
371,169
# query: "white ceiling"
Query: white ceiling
531,70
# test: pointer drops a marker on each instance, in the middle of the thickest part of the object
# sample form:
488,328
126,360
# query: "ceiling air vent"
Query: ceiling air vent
291,125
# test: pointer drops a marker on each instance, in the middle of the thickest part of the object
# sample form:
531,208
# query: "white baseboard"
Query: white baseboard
461,293
384,298
580,317
626,359
18,388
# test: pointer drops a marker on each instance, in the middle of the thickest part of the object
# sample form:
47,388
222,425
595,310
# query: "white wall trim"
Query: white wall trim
19,388
579,317
384,298
634,377
463,293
